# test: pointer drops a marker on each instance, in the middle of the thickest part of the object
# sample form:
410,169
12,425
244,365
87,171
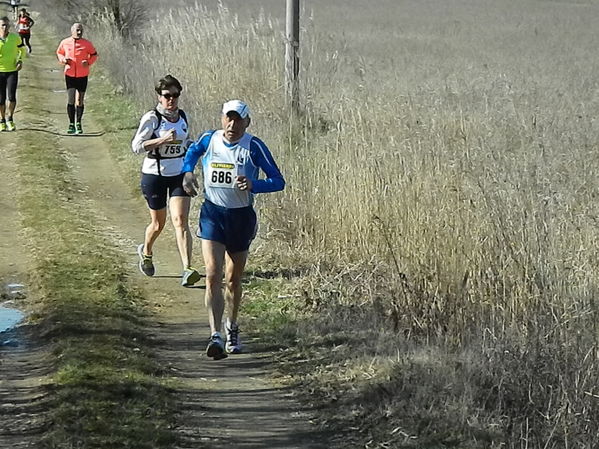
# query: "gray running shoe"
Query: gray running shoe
190,277
145,262
216,347
233,345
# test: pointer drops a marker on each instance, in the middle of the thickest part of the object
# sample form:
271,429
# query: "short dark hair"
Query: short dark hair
166,83
4,19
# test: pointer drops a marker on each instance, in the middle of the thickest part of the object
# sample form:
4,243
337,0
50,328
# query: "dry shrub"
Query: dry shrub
124,17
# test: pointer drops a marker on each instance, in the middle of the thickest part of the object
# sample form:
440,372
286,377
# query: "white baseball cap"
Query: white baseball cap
236,106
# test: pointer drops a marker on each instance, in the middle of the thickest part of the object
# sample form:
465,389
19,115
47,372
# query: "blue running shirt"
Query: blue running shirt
222,162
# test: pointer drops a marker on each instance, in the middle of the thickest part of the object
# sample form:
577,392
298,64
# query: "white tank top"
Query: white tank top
221,164
171,154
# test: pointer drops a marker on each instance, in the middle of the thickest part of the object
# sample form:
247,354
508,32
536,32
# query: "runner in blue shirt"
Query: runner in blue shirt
231,163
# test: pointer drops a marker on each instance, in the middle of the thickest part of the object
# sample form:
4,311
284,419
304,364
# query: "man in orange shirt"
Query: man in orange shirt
77,55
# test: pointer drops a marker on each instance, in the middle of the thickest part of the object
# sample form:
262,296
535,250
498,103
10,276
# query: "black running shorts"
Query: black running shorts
156,189
8,86
79,83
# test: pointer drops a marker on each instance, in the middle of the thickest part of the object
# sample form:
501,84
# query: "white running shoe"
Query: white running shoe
233,345
190,277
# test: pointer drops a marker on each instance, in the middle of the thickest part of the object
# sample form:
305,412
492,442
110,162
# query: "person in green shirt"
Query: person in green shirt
12,52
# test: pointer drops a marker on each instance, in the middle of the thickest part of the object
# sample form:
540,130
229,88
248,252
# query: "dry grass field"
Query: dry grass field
442,198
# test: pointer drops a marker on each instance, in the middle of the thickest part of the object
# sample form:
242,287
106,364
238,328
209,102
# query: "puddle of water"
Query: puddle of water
9,318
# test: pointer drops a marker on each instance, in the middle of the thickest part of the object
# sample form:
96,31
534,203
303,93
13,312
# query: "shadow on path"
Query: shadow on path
227,412
24,396
56,133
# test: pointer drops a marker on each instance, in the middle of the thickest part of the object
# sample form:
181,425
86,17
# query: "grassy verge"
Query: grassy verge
370,386
108,391
378,386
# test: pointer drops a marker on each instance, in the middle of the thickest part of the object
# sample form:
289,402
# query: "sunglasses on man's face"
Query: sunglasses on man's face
4,24
168,96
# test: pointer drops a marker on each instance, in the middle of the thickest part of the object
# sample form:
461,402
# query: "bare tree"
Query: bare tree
125,15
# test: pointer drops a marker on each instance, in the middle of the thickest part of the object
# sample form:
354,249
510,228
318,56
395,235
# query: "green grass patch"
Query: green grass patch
269,312
119,118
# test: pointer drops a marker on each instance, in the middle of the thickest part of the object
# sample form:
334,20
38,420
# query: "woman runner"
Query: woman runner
163,137
24,25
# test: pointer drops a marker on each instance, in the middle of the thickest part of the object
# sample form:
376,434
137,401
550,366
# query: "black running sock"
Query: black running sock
79,113
9,119
71,112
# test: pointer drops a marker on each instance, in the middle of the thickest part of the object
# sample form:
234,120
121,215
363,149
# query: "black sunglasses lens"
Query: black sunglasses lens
169,96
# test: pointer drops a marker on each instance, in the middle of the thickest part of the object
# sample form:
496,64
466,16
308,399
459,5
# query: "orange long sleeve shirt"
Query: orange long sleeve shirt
76,51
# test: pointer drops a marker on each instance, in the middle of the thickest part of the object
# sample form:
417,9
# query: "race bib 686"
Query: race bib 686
222,174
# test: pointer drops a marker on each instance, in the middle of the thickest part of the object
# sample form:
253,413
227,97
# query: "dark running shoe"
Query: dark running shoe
145,262
216,347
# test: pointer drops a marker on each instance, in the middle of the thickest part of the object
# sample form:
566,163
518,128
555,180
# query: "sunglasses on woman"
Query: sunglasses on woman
168,96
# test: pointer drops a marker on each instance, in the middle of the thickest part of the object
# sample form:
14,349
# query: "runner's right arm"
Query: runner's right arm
194,152
142,141
61,54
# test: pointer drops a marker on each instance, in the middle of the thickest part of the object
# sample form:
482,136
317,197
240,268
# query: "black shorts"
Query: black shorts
79,83
156,189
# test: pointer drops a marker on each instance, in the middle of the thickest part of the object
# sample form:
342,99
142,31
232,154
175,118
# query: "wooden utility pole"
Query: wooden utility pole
291,55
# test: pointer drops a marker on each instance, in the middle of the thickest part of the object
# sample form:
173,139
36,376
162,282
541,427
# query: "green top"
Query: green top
11,52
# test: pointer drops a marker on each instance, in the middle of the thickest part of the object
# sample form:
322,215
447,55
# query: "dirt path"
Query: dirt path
228,403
